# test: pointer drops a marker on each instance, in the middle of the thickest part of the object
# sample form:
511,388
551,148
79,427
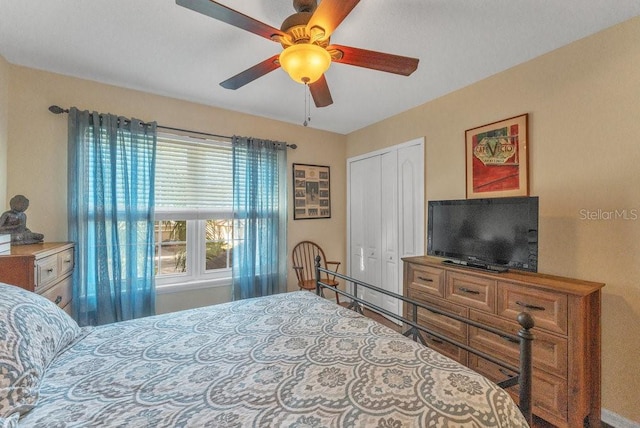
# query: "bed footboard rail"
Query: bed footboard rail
524,337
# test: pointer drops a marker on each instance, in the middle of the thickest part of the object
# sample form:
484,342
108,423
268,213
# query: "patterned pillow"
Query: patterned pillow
33,331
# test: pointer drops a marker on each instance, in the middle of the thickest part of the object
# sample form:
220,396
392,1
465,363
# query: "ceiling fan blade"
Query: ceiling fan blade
252,73
375,60
329,14
225,14
320,92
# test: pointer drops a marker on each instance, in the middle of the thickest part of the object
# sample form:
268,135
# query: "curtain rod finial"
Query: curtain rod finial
57,110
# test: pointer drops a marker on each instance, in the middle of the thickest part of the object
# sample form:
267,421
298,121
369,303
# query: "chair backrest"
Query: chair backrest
304,256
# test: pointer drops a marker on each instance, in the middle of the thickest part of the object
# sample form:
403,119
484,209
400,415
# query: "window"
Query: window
193,200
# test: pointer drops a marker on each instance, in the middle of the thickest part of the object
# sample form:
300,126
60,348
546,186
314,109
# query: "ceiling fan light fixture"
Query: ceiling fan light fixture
305,62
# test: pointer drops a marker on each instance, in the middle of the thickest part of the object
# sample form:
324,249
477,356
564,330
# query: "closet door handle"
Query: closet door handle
468,290
529,306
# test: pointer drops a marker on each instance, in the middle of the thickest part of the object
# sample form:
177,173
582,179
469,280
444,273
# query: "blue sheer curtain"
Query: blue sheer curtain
110,202
260,217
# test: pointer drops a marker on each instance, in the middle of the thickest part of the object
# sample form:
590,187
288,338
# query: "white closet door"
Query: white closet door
389,230
411,200
385,217
364,214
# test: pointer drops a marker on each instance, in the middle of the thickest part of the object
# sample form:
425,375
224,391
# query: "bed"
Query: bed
288,360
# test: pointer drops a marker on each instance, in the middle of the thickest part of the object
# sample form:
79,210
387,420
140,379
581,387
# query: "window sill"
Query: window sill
179,287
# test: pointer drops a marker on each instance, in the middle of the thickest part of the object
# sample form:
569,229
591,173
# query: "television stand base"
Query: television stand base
479,266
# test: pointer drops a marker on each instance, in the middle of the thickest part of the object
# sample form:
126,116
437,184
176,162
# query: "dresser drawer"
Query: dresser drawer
426,279
549,309
549,351
46,271
473,291
451,328
549,394
60,294
445,348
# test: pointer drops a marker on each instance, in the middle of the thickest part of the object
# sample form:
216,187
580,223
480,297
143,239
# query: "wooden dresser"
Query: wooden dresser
44,268
566,349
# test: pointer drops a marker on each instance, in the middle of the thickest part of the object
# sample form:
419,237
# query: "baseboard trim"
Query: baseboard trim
617,421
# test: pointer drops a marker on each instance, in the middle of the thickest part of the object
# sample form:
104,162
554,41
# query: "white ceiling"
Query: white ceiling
159,47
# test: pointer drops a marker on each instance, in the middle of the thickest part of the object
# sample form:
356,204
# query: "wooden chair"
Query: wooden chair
304,263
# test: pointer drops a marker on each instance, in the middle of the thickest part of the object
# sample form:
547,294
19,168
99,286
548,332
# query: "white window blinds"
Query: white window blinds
193,174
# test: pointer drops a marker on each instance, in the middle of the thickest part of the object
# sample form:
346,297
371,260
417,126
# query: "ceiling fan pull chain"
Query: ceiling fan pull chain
307,106
308,103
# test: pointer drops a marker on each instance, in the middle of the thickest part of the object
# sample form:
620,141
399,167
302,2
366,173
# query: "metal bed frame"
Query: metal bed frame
524,337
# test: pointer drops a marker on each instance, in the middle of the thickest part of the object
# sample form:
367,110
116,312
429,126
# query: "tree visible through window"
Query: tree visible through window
218,235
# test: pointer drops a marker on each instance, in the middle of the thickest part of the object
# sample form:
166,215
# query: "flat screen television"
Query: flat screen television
497,234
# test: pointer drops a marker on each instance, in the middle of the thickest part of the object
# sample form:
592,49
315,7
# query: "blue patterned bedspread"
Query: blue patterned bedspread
289,360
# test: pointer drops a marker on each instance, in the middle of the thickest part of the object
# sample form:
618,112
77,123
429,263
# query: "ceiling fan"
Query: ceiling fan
305,37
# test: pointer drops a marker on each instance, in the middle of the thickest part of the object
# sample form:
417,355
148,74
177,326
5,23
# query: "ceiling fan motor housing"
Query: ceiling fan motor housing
305,5
296,27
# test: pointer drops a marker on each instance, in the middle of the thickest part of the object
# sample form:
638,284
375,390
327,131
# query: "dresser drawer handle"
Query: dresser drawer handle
436,340
528,306
49,270
58,300
422,278
67,261
469,291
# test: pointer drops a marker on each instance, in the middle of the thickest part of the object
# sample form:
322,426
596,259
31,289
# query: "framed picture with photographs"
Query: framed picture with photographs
311,192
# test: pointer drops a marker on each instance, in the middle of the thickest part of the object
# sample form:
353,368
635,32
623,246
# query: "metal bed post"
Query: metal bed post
524,379
318,287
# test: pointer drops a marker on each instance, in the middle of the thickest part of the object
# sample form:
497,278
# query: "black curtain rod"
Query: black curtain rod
59,110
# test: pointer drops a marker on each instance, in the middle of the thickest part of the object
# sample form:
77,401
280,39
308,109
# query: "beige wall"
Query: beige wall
38,152
4,129
583,102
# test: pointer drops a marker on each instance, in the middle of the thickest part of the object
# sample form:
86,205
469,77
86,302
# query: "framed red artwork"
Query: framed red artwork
496,159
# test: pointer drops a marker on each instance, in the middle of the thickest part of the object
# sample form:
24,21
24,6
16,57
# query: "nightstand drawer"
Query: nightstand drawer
46,271
474,291
65,261
60,294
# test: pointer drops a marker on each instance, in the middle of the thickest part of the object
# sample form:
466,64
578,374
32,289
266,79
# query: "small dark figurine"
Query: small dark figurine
14,222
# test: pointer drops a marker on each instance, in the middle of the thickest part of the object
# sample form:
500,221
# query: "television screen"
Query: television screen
497,233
